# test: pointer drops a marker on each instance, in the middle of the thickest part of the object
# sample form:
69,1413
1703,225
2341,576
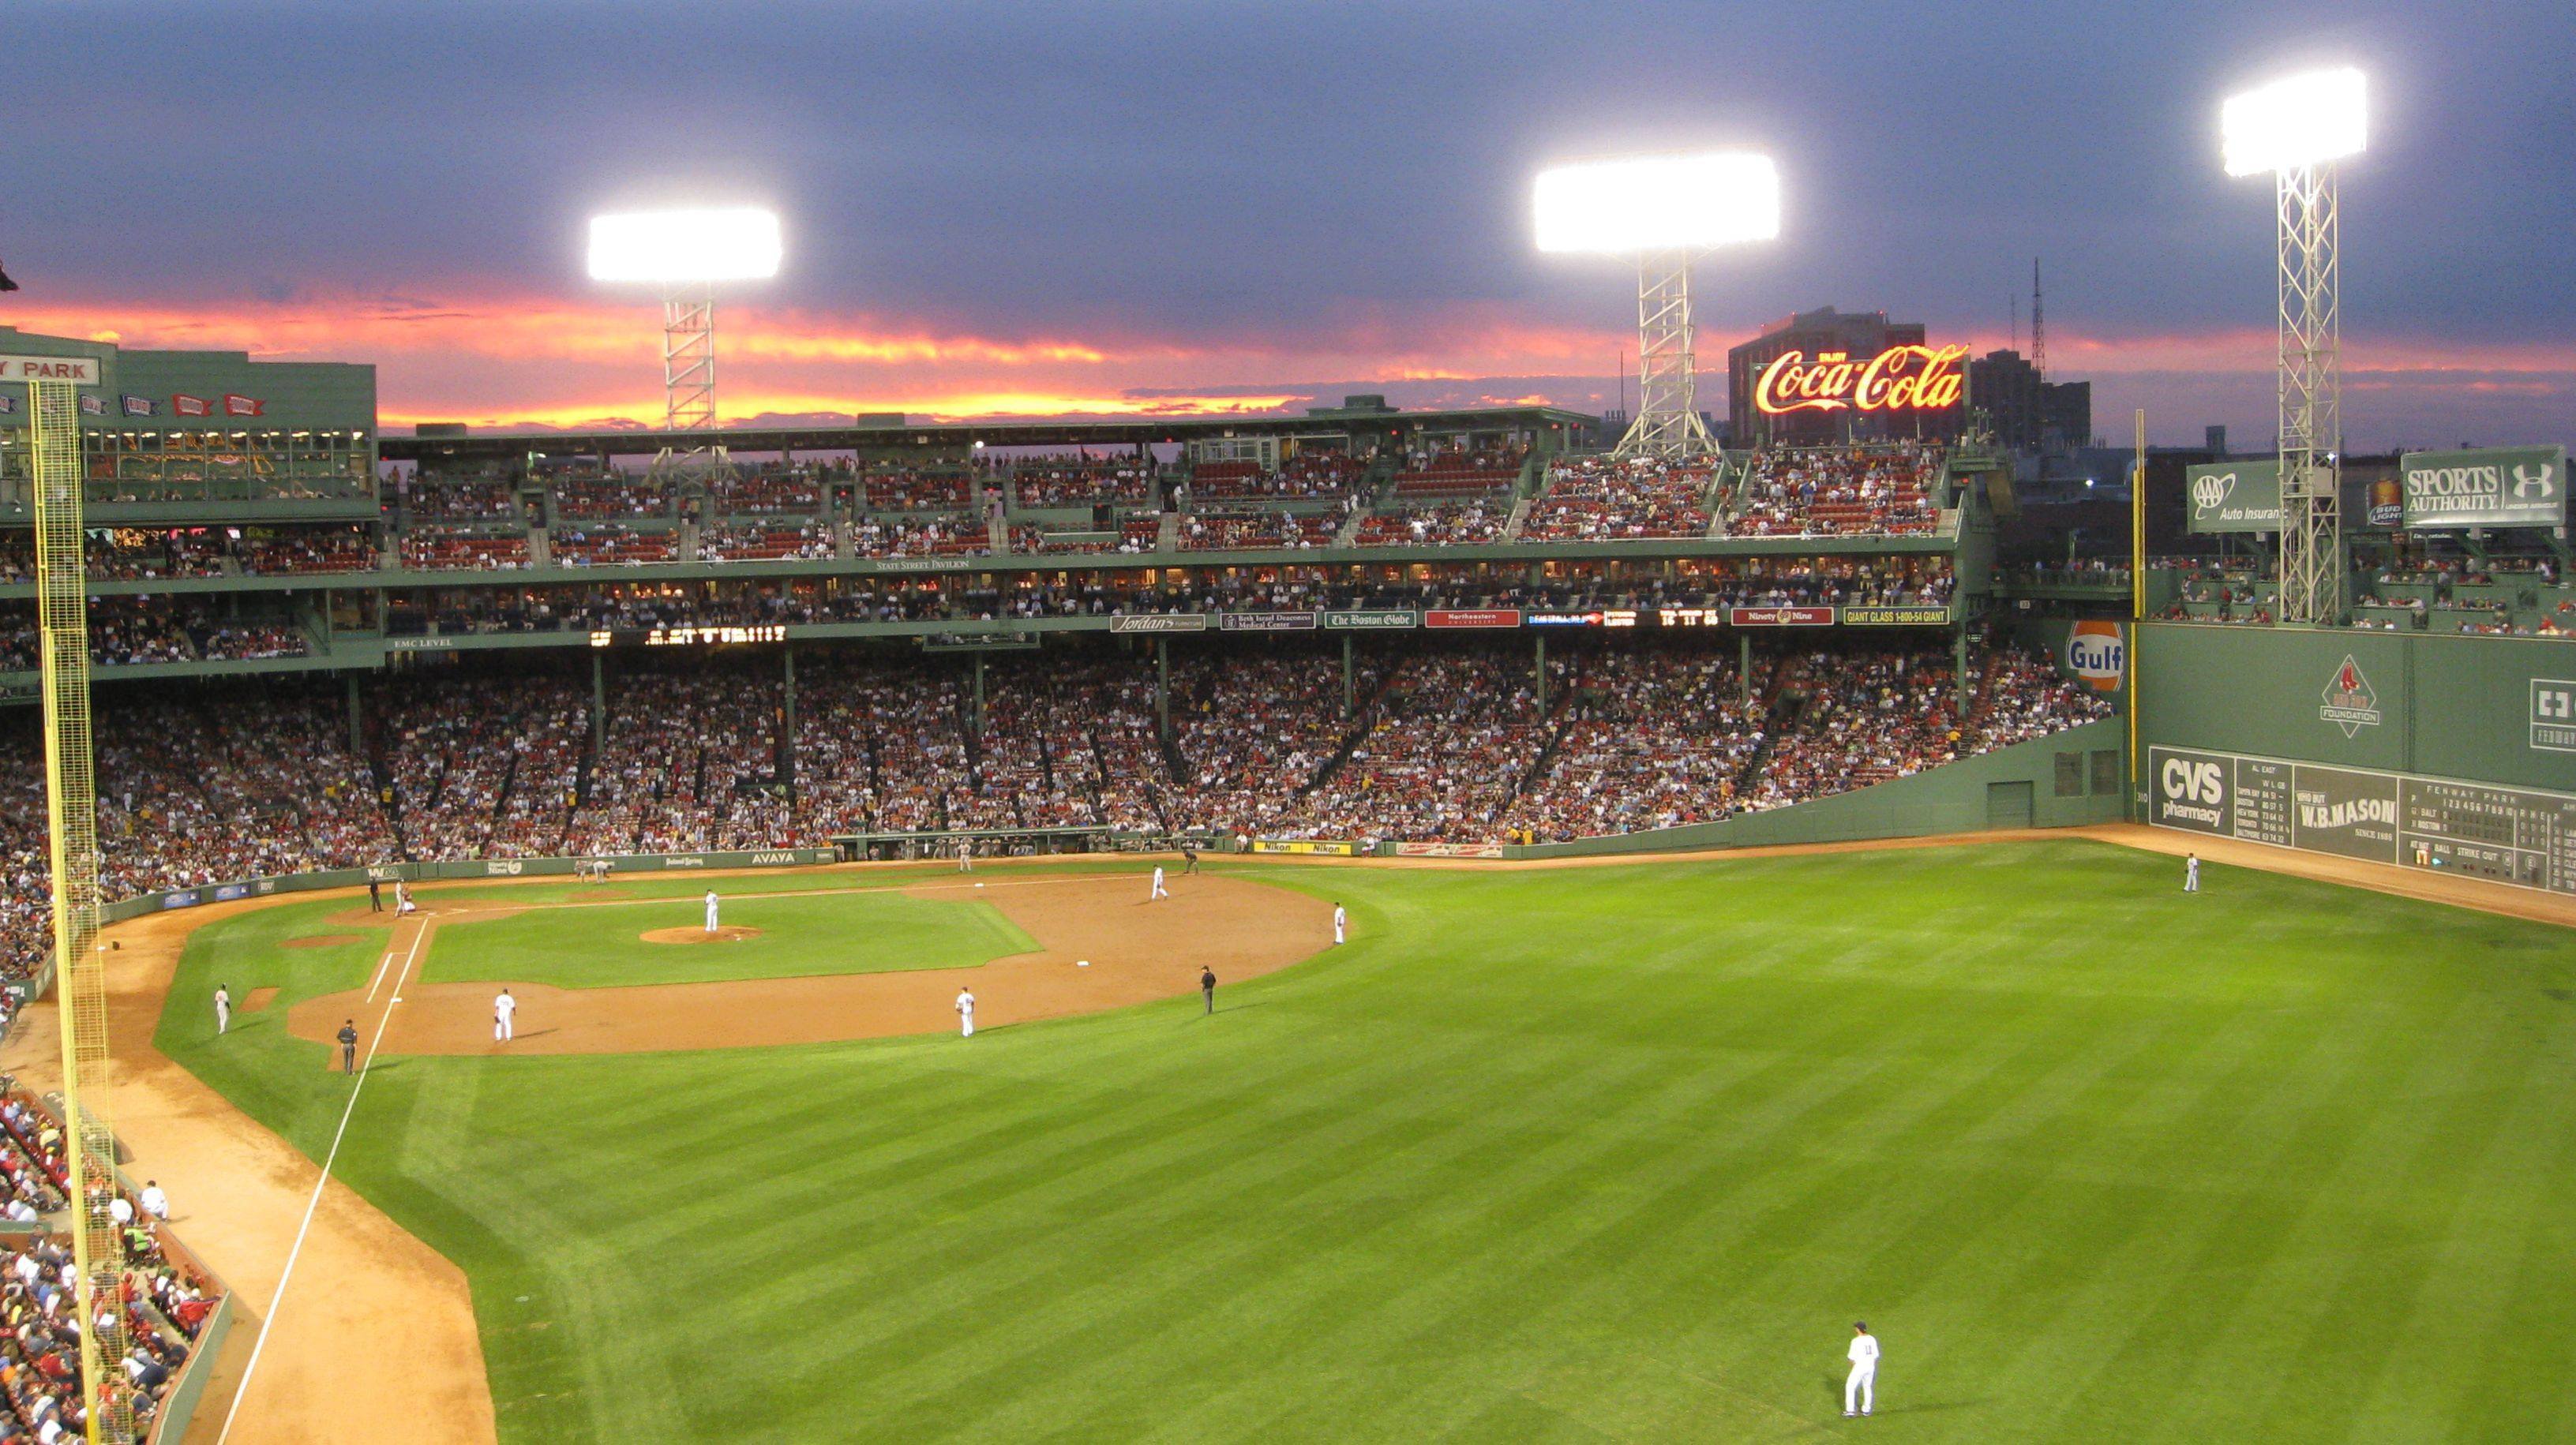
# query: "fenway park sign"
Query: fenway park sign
1901,378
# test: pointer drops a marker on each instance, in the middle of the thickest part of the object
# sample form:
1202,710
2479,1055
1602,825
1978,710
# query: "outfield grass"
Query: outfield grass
1609,1153
598,945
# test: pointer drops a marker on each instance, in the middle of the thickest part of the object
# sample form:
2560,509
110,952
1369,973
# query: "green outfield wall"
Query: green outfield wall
2485,709
2059,781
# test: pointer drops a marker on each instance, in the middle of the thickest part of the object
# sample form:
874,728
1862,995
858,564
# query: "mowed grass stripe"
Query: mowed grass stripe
1612,1153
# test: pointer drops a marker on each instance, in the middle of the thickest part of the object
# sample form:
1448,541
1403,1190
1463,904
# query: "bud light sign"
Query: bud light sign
2098,653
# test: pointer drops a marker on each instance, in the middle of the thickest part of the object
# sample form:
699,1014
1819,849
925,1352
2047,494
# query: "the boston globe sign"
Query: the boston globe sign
2491,487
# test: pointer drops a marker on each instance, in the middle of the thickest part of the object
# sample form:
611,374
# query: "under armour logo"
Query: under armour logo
2526,485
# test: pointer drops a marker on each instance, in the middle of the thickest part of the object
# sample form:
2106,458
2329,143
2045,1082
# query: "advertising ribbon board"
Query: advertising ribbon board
2234,496
2490,487
1781,616
1472,617
1371,619
1449,850
1266,622
1301,845
1161,622
1896,617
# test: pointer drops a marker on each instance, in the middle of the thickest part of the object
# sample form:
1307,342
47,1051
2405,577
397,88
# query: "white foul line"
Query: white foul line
277,1301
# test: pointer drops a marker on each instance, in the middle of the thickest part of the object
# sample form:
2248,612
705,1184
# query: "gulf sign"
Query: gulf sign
1901,378
2098,653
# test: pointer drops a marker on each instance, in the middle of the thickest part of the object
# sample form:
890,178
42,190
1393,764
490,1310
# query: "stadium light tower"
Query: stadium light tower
1662,211
686,253
2297,129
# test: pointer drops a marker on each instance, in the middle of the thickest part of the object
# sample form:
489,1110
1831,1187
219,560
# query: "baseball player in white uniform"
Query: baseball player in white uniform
402,900
965,855
1864,1371
2191,873
1341,924
505,1012
1159,890
711,910
965,1013
223,1008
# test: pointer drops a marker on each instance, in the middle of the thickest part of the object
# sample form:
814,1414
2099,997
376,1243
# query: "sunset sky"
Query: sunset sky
1121,209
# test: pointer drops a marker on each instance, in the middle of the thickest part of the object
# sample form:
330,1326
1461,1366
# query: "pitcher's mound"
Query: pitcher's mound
726,934
319,940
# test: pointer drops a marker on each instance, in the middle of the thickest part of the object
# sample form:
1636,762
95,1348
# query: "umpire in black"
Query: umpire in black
375,896
349,1047
1207,986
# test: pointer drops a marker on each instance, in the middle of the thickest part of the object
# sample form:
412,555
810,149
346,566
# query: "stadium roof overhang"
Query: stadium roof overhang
887,435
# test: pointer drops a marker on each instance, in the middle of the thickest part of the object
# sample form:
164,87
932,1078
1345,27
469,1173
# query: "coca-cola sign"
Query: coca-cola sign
1901,378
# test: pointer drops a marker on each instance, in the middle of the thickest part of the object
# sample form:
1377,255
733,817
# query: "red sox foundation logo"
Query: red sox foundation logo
2351,703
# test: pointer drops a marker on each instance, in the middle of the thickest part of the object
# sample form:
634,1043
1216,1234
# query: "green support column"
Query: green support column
787,719
598,702
1744,663
1959,661
979,696
357,721
1162,690
1539,666
1350,688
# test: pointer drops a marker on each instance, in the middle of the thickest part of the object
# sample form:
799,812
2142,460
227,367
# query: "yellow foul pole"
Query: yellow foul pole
80,988
2137,588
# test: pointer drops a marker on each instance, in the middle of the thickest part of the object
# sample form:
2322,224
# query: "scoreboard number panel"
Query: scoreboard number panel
2522,836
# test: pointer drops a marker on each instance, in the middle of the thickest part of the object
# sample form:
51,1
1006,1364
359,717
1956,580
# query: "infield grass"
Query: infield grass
600,945
1614,1153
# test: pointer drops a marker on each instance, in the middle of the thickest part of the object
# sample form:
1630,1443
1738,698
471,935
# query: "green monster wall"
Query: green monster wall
2449,706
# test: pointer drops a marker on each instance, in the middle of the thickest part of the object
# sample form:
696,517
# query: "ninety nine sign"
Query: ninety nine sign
1901,378
1781,616
80,369
1483,617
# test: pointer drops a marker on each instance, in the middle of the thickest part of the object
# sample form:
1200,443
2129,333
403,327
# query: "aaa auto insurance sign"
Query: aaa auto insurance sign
82,370
2492,487
2234,496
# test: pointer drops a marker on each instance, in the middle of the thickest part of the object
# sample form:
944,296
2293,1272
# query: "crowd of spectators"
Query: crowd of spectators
1308,476
1247,529
1438,524
1618,499
774,488
765,543
299,551
957,535
591,495
909,491
612,544
231,781
1839,491
1082,481
438,547
460,498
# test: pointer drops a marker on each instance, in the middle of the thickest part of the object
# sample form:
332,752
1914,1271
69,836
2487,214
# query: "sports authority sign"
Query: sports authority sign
2493,487
2351,703
79,370
2234,496
2511,835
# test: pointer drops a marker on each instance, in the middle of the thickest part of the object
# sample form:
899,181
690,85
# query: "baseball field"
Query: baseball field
1572,1154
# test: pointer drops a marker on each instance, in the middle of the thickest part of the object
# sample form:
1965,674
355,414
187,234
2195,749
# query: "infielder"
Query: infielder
711,910
1159,890
349,1047
1864,1371
505,1012
2191,873
965,1013
1341,925
965,855
223,1008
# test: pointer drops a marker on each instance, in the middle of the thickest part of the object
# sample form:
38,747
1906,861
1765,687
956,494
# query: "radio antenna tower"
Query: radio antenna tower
2038,326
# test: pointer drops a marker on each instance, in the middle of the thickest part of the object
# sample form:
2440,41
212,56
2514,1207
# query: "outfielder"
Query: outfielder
1864,1371
505,1012
1341,925
2191,873
223,1008
965,855
1159,890
711,910
965,1013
